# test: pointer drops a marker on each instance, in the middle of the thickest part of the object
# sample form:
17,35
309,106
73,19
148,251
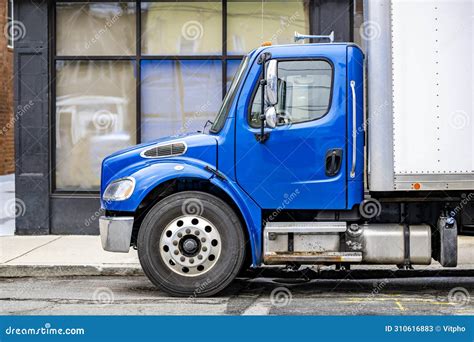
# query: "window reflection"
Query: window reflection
358,20
95,29
95,116
179,96
232,67
182,28
96,100
249,23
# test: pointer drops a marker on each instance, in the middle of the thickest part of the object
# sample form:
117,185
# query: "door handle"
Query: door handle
333,161
354,130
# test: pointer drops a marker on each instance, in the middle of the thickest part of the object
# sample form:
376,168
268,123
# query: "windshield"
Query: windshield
229,97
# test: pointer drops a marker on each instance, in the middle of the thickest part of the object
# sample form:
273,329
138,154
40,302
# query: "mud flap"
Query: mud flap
448,240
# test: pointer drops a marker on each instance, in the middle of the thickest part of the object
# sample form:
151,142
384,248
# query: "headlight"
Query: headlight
119,190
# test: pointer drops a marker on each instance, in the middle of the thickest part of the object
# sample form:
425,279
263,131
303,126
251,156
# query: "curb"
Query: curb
22,271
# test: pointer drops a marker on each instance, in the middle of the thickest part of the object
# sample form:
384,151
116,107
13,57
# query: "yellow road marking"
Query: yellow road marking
400,306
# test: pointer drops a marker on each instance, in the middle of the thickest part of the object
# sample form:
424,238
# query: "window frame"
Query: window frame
137,59
312,59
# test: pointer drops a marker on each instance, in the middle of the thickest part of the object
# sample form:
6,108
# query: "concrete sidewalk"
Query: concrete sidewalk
65,255
30,256
8,206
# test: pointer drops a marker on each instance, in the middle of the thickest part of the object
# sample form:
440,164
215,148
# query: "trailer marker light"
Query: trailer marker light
416,186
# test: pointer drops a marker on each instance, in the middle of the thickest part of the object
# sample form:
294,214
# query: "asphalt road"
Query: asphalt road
330,293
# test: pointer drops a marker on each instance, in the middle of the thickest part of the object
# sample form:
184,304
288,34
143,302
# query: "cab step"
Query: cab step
306,243
306,227
278,258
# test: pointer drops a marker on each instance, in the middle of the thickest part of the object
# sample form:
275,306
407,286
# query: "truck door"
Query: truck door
303,163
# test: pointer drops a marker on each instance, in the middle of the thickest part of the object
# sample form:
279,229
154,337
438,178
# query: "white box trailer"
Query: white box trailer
420,106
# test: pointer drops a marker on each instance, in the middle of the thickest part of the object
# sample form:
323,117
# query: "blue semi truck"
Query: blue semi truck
308,164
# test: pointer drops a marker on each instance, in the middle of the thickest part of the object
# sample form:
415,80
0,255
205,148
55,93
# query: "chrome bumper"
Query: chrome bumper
116,233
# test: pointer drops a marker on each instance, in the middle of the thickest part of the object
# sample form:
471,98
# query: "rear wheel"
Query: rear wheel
191,243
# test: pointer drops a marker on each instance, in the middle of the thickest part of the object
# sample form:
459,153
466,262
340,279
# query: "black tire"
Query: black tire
225,268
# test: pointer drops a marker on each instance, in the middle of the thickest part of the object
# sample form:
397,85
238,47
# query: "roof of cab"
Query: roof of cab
301,47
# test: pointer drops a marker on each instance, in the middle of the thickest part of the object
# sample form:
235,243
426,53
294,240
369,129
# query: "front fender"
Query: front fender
251,213
150,177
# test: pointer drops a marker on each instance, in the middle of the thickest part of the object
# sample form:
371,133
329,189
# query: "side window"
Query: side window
304,92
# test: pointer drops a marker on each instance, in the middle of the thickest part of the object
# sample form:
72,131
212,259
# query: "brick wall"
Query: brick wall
7,153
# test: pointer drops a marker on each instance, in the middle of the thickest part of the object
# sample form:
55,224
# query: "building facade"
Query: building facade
95,77
7,121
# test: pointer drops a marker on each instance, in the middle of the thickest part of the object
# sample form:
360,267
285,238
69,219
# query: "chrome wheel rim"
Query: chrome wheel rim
190,245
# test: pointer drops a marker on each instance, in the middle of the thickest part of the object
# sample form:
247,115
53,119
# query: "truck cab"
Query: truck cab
279,179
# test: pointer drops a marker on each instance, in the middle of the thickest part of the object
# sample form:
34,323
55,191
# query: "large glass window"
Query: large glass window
221,117
304,92
249,23
182,28
179,96
95,116
95,28
127,72
361,29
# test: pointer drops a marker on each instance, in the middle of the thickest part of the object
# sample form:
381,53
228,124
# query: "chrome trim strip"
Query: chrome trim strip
433,181
305,227
354,130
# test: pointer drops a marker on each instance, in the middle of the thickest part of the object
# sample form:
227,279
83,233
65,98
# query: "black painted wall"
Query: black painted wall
32,126
332,15
49,213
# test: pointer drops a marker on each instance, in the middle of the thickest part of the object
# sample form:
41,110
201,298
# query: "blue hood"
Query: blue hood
123,163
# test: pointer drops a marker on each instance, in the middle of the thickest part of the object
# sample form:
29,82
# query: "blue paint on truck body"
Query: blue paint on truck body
257,176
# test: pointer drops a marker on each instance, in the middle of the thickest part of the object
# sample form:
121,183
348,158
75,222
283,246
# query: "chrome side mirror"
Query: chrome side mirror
271,88
271,117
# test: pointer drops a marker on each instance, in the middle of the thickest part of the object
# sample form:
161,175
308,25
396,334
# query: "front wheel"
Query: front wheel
191,244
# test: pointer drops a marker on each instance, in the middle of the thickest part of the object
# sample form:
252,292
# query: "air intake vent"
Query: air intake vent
168,150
